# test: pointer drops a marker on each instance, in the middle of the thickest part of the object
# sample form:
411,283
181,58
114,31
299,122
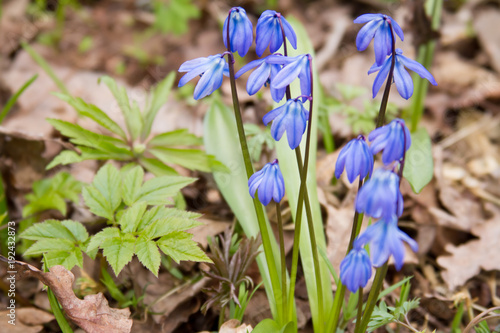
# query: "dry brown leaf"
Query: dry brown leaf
28,320
466,261
92,314
233,326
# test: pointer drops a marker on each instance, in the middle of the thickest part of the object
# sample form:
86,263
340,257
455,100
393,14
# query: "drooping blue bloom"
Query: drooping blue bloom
356,158
269,32
390,138
386,239
298,66
210,69
355,269
378,27
269,183
265,73
290,117
402,78
240,31
380,195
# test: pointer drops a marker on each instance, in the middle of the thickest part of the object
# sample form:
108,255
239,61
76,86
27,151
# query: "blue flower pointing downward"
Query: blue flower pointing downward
269,32
269,183
240,31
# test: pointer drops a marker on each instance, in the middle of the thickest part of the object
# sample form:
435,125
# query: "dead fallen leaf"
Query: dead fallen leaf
233,326
28,320
466,261
93,313
484,22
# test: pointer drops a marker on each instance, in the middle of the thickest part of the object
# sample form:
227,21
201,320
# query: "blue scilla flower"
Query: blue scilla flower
386,239
355,269
402,78
378,27
269,183
290,117
269,32
356,158
240,31
211,69
380,195
265,73
394,139
298,66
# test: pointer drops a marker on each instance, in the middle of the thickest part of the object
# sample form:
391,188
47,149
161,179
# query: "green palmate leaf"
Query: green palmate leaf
131,185
148,254
156,191
48,245
77,230
119,251
96,240
168,225
51,194
193,159
159,96
133,117
104,195
162,212
68,259
64,158
156,167
52,229
179,246
132,216
93,112
96,154
419,165
179,137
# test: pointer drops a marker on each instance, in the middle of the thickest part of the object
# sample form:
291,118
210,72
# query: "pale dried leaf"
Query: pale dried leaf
93,313
233,326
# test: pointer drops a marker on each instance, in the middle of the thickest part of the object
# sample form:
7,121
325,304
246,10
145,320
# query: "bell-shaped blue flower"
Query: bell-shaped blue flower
356,158
299,66
269,32
240,31
402,78
355,269
269,183
380,195
386,239
265,73
211,69
290,117
394,139
378,27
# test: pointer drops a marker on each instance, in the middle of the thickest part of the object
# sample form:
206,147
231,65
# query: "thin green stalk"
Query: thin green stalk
266,241
385,98
222,316
283,261
372,299
425,56
360,304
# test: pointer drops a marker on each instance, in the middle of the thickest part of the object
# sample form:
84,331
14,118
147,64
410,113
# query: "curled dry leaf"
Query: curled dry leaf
233,326
92,314
468,259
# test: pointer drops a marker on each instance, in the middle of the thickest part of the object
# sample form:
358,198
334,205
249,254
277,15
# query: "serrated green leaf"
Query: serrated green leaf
148,254
168,225
104,196
131,185
45,202
156,191
77,230
96,240
93,112
419,165
132,217
119,251
162,212
179,246
132,115
157,167
68,259
159,96
193,159
109,154
48,229
97,203
176,138
48,245
64,158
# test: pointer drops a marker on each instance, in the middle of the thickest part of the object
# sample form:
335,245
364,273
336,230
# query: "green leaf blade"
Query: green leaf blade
179,246
148,254
419,164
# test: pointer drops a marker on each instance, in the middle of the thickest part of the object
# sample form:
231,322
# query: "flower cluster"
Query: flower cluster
383,29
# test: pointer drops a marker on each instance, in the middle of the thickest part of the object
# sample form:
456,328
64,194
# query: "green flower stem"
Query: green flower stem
425,56
283,261
360,304
222,316
372,299
266,240
385,98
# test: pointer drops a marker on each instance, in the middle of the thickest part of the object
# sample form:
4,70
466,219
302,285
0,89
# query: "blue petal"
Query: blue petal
273,114
382,44
249,66
403,80
279,125
287,75
381,76
264,33
368,17
289,32
295,127
193,73
340,164
210,81
255,180
266,187
366,34
276,37
258,78
417,68
397,29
